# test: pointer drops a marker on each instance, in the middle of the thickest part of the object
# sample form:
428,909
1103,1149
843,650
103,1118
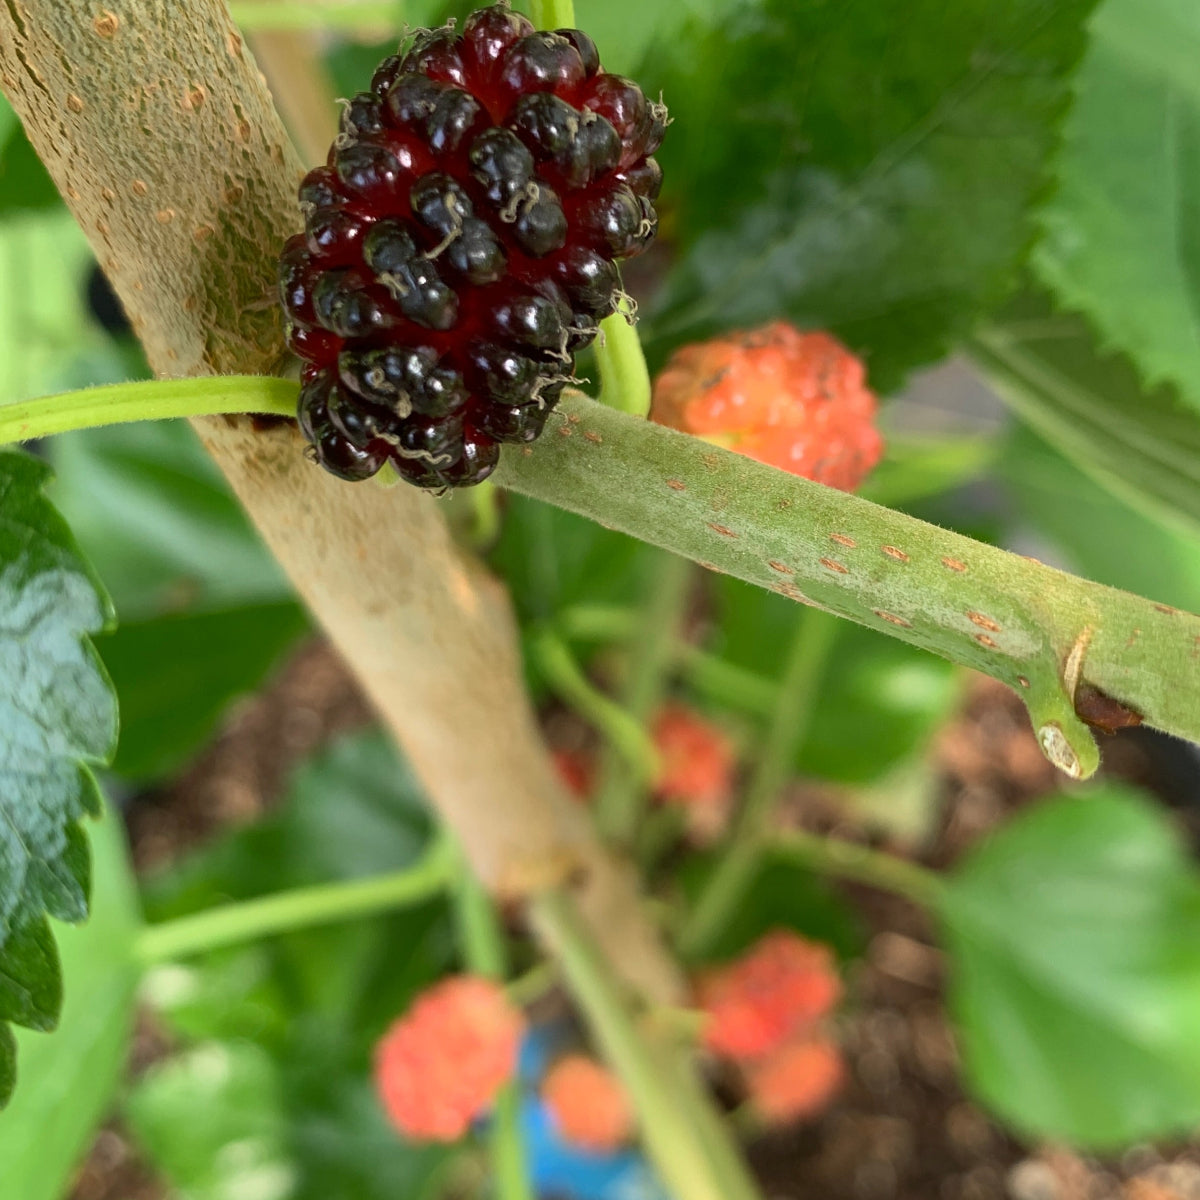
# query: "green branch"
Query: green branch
860,864
152,400
1043,632
250,920
618,726
808,654
685,1140
485,953
256,16
621,798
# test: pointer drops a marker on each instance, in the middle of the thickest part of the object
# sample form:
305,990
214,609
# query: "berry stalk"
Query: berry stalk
553,14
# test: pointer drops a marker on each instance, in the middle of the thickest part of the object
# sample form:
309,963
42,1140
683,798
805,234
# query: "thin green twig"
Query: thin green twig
568,681
230,924
808,655
257,16
485,953
861,864
621,800
683,1137
150,400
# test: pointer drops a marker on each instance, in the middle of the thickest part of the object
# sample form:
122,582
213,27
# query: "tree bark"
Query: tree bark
155,123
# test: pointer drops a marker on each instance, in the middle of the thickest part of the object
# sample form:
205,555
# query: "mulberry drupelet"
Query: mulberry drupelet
460,246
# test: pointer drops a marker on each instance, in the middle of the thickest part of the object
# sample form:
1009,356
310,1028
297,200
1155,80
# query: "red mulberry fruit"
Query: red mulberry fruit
588,1105
460,246
443,1063
798,401
778,990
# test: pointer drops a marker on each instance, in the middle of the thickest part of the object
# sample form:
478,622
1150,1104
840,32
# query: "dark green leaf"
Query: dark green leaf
58,714
879,699
176,675
1074,936
862,168
68,1078
1101,537
1141,445
1123,228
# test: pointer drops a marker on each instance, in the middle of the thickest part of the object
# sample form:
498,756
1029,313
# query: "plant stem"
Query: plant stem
553,14
150,400
624,376
694,1163
808,654
486,954
621,800
620,728
706,672
229,924
861,864
258,15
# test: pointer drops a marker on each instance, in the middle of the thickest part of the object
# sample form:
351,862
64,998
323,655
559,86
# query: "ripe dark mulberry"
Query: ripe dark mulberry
460,246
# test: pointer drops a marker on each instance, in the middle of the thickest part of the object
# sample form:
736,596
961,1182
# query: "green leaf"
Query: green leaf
1102,537
212,1121
861,168
1122,233
880,700
1141,445
58,714
68,1078
225,1120
1074,936
177,675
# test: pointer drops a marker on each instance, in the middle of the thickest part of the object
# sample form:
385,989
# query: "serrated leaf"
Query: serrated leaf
1142,445
1122,231
57,713
862,168
68,1077
1074,936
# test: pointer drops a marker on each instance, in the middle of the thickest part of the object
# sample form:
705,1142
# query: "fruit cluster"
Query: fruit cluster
460,246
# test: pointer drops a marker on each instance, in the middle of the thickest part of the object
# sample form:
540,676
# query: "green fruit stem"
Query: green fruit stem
553,14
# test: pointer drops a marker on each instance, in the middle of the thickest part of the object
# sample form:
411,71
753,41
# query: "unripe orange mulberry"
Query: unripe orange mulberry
696,758
442,1064
773,993
795,1082
588,1104
797,401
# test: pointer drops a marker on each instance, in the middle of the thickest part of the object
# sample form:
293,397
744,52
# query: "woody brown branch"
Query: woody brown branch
155,123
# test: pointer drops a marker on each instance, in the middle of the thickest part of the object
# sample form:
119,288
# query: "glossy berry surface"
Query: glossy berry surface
798,401
460,246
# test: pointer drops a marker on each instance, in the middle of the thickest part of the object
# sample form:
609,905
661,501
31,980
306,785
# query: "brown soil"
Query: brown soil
902,1128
